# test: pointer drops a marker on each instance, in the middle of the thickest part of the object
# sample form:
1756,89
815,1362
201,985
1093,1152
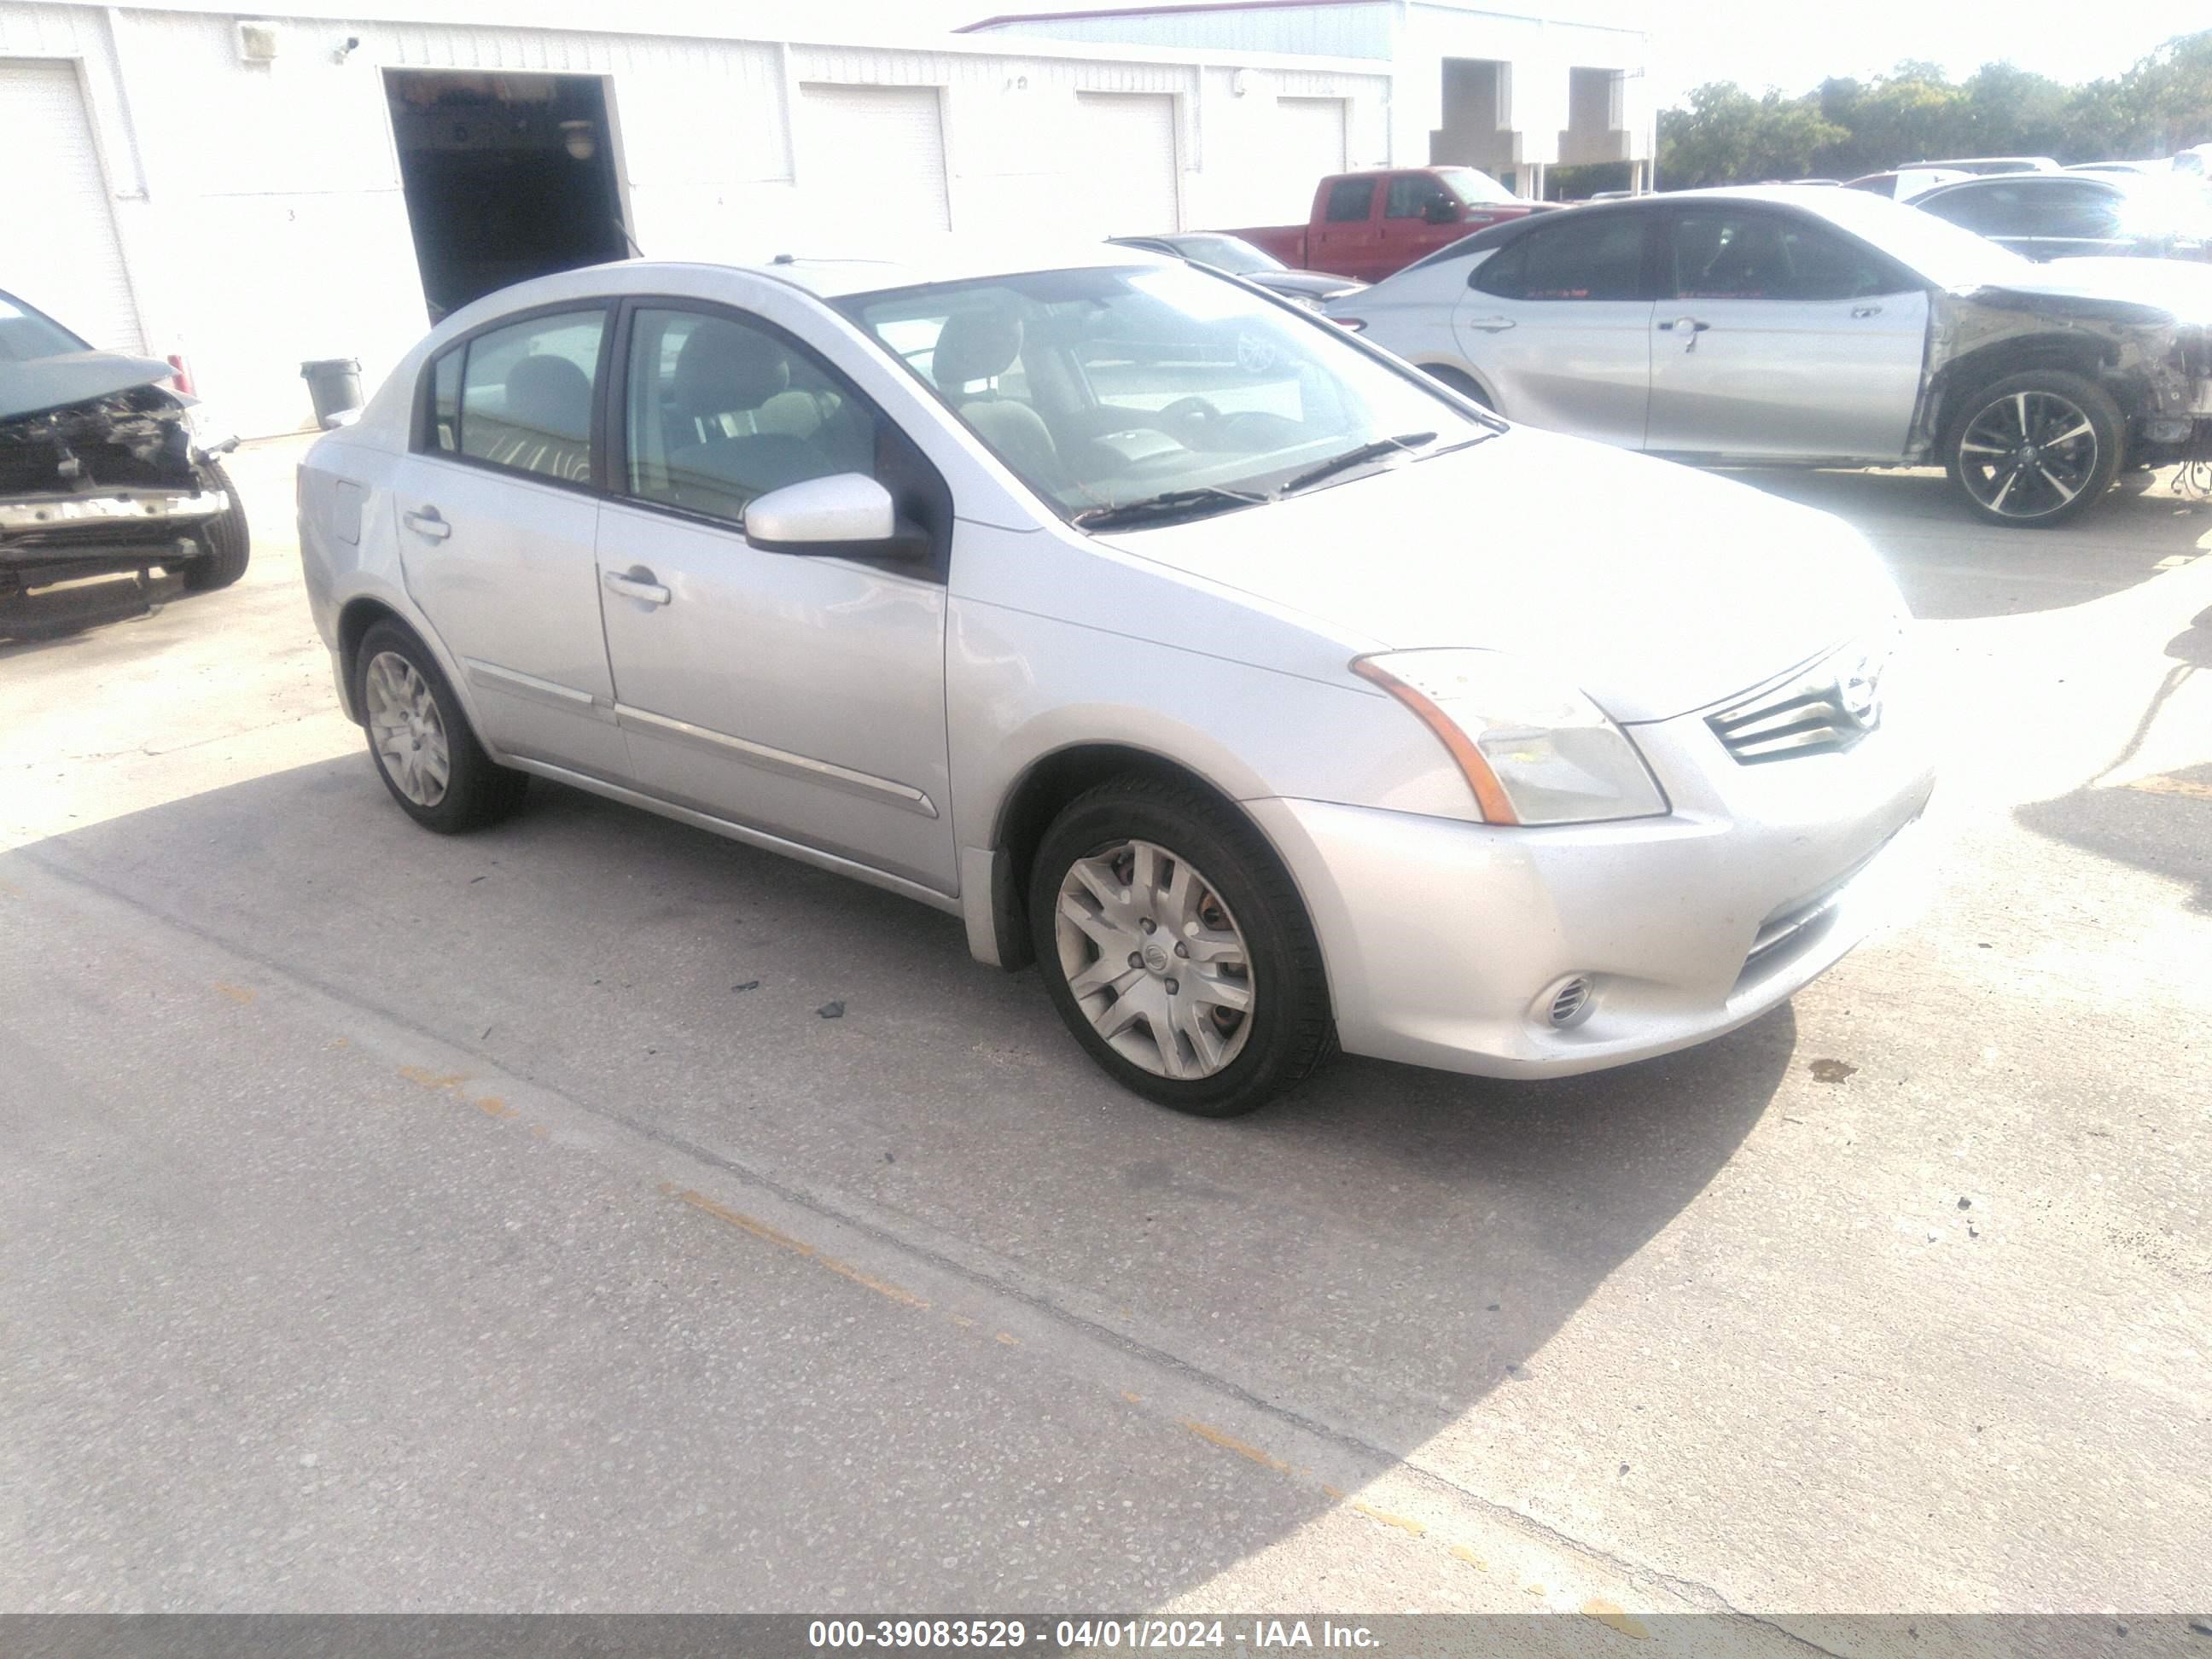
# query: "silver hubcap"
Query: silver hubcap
404,730
2028,453
1155,960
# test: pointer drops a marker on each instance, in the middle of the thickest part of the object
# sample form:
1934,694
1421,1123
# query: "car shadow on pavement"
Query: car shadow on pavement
1954,566
2162,822
1375,1255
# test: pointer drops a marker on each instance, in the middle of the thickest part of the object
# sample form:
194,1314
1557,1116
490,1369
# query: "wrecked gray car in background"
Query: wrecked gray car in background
103,468
1821,328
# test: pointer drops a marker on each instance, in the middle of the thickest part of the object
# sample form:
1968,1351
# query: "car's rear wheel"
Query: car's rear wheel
1174,946
2034,449
421,741
228,546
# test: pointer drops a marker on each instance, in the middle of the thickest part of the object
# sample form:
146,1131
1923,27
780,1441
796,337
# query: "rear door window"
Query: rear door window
527,392
1350,201
1600,257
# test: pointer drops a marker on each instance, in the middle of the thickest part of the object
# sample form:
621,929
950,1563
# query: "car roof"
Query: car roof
1859,211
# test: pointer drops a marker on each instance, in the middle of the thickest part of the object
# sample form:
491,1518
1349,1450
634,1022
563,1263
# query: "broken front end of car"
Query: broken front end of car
116,479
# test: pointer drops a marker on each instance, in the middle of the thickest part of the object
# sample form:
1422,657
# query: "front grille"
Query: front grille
1821,710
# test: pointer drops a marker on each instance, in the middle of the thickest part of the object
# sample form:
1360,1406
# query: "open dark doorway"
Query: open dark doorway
506,177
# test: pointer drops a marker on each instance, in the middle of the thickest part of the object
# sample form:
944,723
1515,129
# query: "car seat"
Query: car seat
977,347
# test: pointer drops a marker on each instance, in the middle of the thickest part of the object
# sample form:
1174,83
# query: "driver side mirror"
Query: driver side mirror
1441,213
846,515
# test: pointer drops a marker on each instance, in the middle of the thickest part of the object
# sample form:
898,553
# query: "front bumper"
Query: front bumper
53,538
1445,941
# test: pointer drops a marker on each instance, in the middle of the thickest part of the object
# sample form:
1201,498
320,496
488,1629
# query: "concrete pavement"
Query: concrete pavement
400,1222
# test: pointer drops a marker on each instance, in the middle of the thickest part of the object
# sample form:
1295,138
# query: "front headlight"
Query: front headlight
1532,748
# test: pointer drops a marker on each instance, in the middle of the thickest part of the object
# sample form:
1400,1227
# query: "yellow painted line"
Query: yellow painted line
1614,1619
799,1247
1403,1523
10,890
1460,1552
2158,784
1134,1398
964,1322
1229,1442
1010,1341
423,1076
238,993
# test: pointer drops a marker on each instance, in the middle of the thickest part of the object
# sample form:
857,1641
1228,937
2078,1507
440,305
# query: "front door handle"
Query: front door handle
638,585
1490,324
1866,311
425,522
1689,328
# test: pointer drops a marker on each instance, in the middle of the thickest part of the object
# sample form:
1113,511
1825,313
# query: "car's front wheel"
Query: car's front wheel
2034,449
228,546
420,738
1174,946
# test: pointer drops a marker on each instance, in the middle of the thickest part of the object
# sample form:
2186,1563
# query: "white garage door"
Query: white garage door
1308,142
874,156
1127,147
62,254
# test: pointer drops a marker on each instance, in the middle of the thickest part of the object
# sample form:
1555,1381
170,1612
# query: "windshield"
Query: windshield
26,335
1230,253
1103,389
1473,187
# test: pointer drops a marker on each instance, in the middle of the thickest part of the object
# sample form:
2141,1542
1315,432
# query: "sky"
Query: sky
1796,44
1791,44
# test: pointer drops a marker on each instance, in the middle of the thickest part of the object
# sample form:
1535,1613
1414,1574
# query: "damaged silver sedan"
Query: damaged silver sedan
1820,328
104,469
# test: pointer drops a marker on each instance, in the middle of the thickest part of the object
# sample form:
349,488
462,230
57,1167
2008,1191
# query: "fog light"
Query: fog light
1569,1003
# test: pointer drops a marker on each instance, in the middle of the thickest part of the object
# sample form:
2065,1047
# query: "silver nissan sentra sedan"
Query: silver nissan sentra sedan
1269,695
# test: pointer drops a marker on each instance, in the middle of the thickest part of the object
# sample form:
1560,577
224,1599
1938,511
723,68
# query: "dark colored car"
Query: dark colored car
1240,258
103,468
2065,215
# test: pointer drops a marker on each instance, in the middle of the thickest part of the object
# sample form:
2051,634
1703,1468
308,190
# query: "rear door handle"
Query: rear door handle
426,523
639,585
1490,324
1866,311
1686,324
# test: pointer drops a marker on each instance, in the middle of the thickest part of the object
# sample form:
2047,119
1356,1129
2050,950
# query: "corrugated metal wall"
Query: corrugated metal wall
263,222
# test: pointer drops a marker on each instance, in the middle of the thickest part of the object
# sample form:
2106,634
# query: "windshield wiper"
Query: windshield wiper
1193,503
1351,458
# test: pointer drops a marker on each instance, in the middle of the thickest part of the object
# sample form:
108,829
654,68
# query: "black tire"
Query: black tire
477,791
1462,384
2023,486
1291,1033
229,544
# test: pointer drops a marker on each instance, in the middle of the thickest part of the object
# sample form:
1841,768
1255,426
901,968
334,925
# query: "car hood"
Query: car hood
2180,288
75,377
1304,281
1656,588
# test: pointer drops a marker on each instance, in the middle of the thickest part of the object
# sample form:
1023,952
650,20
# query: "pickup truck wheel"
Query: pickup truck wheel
421,741
1461,384
1174,946
2034,449
229,544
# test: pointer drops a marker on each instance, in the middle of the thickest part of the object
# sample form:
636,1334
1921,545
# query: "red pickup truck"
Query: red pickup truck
1366,225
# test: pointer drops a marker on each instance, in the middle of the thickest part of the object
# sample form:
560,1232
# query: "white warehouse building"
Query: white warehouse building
249,193
1514,90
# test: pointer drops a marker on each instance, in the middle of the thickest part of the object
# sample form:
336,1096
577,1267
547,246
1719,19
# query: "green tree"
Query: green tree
1844,127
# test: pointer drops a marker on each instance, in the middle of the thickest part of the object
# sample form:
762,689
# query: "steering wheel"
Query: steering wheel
1191,409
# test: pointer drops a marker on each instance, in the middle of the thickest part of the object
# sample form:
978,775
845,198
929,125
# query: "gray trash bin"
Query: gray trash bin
334,383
